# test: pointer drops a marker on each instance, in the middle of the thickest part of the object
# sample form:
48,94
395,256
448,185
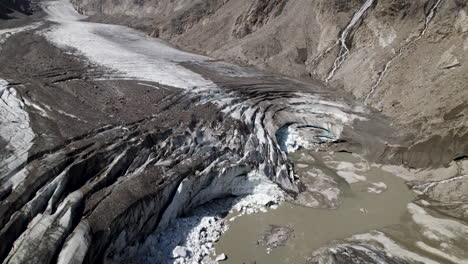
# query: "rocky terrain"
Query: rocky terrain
109,137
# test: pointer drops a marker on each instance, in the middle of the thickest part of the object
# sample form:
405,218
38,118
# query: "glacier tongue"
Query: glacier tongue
127,53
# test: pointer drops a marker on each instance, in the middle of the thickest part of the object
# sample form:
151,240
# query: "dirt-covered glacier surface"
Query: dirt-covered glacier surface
116,147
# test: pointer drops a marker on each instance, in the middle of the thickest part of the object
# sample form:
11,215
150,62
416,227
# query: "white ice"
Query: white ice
15,131
127,53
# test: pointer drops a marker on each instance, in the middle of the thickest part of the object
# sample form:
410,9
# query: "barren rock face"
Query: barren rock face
19,5
258,15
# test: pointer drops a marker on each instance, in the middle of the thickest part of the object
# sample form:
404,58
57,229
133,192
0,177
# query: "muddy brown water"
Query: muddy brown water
360,212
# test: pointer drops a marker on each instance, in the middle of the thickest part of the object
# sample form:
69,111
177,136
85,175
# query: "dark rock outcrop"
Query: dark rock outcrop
258,15
8,6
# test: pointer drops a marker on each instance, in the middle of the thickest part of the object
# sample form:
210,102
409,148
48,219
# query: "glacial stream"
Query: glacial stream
376,200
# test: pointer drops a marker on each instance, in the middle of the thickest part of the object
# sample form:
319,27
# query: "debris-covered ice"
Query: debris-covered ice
191,239
188,239
16,134
7,33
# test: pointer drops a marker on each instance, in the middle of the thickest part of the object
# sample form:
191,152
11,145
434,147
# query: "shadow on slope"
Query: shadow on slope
9,9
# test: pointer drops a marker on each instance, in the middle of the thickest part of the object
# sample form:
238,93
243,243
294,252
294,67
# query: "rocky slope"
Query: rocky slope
405,58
